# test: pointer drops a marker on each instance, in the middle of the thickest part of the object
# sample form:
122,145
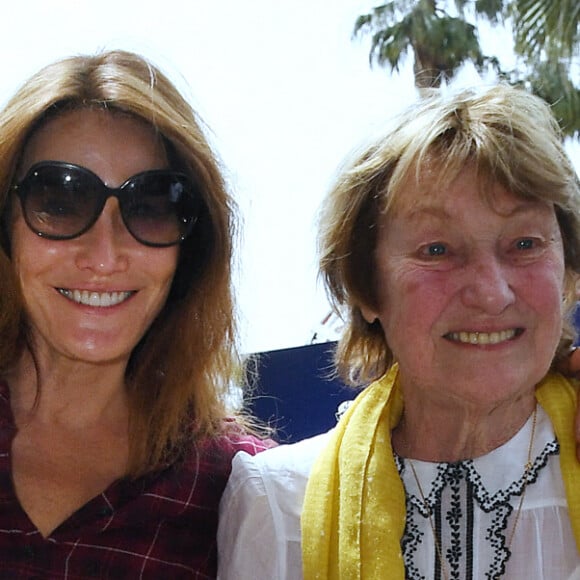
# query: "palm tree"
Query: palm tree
547,36
551,25
549,79
440,43
546,40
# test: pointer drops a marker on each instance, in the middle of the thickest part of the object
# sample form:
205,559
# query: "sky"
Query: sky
285,94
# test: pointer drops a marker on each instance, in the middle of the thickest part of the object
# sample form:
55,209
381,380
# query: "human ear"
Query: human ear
368,313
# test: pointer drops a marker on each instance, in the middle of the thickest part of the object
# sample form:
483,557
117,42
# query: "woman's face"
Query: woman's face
470,297
93,297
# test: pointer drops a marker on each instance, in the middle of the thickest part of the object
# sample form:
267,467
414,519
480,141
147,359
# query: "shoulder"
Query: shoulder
296,457
232,443
259,529
234,439
213,455
282,470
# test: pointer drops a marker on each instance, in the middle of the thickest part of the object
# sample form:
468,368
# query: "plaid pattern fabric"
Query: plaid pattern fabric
162,526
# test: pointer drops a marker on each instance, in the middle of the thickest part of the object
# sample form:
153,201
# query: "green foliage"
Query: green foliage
549,80
547,25
547,37
440,43
493,10
546,41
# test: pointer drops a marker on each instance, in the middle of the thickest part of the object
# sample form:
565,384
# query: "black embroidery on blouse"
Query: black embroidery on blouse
470,525
495,535
411,539
461,486
454,517
438,535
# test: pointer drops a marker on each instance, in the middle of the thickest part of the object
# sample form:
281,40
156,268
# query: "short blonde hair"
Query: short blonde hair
180,372
508,135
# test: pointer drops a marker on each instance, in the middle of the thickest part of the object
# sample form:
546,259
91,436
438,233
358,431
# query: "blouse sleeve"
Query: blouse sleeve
252,539
259,529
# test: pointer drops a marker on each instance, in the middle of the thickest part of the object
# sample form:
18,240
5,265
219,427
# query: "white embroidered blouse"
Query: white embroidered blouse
474,505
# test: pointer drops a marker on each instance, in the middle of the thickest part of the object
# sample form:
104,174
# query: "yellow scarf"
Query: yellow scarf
353,517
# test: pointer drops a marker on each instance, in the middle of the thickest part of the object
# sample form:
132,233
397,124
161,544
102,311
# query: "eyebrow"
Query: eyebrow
522,207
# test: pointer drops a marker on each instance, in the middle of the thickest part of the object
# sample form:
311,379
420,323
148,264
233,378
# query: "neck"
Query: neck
443,432
73,394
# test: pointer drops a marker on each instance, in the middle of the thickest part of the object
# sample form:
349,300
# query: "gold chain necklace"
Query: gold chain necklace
527,466
430,516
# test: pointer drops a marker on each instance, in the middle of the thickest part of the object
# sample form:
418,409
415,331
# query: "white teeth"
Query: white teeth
482,337
97,299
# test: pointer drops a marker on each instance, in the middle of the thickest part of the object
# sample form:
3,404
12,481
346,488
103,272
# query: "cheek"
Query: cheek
27,256
420,290
414,304
31,255
544,288
164,266
548,298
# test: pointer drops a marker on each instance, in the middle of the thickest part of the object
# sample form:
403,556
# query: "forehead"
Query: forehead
436,194
107,142
90,126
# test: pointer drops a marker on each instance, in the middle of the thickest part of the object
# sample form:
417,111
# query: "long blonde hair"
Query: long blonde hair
179,374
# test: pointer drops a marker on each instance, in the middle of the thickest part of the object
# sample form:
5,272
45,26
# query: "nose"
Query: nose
103,248
487,285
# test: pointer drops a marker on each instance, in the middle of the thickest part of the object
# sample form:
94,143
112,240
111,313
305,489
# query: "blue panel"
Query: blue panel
294,393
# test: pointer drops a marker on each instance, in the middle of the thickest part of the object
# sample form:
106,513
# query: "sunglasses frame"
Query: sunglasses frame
22,190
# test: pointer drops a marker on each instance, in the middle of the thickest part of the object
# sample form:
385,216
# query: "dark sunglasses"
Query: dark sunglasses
61,201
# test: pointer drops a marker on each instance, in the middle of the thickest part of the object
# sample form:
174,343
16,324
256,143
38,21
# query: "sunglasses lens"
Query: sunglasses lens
59,202
62,201
159,208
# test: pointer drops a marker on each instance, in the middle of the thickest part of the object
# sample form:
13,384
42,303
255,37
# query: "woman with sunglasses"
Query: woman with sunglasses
116,330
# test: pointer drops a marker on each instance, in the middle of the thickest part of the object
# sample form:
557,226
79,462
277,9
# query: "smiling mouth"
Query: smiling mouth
484,338
97,299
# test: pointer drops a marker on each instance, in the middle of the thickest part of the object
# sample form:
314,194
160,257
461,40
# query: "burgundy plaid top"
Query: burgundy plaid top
161,527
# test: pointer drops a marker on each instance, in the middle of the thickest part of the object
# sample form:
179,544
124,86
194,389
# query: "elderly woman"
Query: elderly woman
451,245
117,337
